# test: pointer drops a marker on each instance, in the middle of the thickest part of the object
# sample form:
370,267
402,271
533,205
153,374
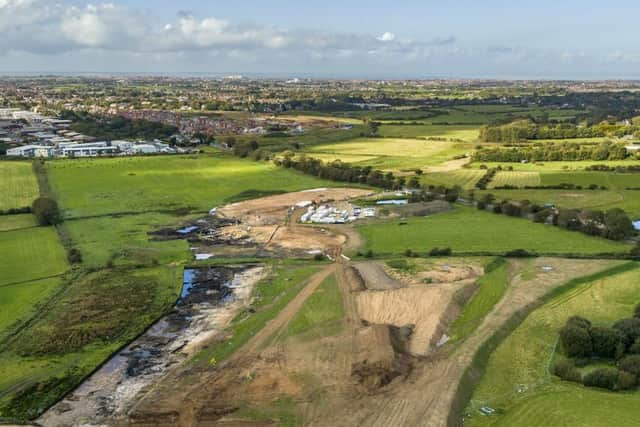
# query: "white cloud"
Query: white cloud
386,37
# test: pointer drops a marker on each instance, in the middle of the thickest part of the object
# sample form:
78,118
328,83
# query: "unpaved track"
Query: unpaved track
425,398
375,276
187,401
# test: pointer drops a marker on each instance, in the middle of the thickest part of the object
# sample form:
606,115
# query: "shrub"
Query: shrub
440,252
368,254
318,257
579,322
630,329
74,256
518,253
567,371
636,312
606,378
630,364
607,342
46,211
408,253
626,381
576,341
635,347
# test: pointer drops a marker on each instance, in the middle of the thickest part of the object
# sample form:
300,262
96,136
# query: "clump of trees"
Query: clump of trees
583,342
111,128
46,211
554,152
521,130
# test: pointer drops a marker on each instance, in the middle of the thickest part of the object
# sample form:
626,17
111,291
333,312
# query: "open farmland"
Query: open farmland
465,178
517,381
515,178
19,186
142,184
467,230
454,132
39,244
395,153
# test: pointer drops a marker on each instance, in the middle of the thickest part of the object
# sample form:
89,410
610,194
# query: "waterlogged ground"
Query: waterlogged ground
209,300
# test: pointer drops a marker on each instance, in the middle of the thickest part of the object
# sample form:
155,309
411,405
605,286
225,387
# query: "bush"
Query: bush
607,342
630,329
567,371
636,312
368,254
408,253
626,381
519,253
635,347
576,341
630,364
74,256
579,322
318,257
440,252
606,378
46,211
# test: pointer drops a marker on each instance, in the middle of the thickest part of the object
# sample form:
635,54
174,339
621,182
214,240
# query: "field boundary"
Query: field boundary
473,374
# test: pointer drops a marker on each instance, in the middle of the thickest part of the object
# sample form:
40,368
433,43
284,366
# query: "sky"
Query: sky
517,39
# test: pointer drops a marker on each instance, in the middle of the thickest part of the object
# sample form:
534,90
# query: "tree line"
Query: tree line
551,152
522,130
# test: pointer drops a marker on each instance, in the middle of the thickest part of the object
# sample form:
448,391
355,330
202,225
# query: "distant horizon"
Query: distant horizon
495,39
308,76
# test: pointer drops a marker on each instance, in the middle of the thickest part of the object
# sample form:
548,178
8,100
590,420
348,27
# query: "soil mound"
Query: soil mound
378,360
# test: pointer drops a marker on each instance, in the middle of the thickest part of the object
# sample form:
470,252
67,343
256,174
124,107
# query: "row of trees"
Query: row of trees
554,152
522,130
614,224
343,172
583,342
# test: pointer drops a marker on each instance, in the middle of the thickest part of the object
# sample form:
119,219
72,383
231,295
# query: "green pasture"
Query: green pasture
518,384
165,183
468,230
17,222
19,185
30,254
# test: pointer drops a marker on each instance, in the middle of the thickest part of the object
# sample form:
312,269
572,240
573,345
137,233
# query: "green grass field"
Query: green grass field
19,301
17,222
517,381
515,178
491,288
30,254
469,230
19,185
394,153
462,132
165,183
465,178
123,240
321,315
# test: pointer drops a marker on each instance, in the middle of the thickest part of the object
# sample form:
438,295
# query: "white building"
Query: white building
31,151
91,149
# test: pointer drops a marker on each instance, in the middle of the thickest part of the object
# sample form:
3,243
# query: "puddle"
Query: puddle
209,299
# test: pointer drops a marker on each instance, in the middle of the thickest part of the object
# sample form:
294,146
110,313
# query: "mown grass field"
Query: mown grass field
165,183
517,381
465,178
30,254
468,230
462,132
491,288
17,222
394,153
515,178
19,185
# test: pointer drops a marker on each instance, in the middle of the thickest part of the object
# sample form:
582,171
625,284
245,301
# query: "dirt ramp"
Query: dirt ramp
378,357
375,276
421,306
354,279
